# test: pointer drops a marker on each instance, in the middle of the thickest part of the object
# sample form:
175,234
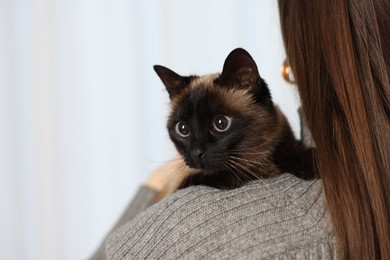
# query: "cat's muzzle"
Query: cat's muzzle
204,160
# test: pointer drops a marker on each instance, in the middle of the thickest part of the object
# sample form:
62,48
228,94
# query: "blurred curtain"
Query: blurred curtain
82,115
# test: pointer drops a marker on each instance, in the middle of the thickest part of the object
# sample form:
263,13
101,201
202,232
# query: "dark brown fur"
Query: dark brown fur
259,143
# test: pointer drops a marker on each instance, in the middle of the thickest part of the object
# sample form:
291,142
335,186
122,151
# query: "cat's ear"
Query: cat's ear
239,70
173,82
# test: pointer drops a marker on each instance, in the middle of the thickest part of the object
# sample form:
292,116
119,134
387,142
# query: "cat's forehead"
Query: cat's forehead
204,92
203,81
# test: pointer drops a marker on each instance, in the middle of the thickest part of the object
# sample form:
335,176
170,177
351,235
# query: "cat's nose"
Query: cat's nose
198,153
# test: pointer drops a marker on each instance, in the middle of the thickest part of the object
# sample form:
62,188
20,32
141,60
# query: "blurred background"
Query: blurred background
82,113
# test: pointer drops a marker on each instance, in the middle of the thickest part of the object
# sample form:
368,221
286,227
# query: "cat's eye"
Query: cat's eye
222,123
182,129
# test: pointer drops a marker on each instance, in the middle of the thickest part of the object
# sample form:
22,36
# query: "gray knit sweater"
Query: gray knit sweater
278,218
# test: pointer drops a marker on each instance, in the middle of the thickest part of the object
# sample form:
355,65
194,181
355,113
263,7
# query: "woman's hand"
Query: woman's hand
166,178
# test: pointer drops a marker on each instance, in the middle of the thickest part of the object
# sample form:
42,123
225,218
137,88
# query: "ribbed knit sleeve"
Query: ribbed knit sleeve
277,218
143,198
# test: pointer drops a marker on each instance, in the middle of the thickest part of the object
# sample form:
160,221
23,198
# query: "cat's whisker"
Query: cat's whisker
233,171
245,171
261,162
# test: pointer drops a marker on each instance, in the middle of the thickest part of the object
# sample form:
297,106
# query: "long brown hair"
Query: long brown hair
339,52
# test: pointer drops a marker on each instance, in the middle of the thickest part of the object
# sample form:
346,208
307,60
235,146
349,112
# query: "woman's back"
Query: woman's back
271,218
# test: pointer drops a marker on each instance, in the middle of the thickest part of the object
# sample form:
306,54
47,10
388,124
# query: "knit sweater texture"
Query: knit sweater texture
275,218
143,199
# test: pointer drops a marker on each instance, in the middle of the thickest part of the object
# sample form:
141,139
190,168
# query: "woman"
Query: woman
340,57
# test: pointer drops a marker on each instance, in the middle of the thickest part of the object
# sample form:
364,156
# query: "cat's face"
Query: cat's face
205,125
219,120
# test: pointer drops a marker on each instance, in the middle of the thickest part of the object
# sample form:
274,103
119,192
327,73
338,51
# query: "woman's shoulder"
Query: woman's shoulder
281,216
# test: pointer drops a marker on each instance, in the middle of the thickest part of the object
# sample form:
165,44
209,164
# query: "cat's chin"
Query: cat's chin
207,165
207,170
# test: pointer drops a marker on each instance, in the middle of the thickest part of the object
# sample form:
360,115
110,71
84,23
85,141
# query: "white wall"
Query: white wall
82,114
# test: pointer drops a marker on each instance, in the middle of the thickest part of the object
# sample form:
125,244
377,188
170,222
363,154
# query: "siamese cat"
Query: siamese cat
227,129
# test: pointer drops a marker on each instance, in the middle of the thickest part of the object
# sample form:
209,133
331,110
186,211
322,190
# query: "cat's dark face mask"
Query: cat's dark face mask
206,130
